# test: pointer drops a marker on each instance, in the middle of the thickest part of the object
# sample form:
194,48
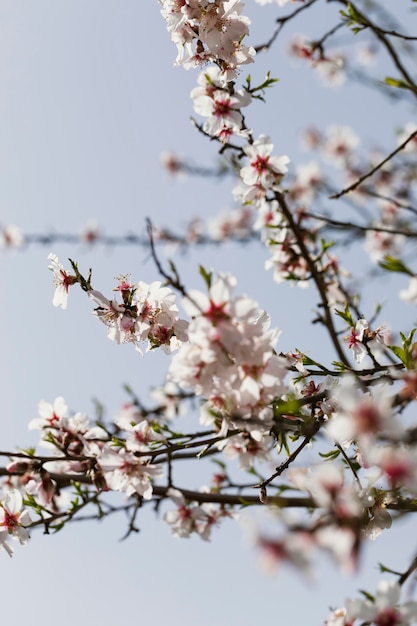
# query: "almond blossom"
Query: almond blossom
360,416
222,111
13,520
340,144
11,237
123,471
263,169
205,31
355,340
61,281
229,355
410,294
148,313
190,517
384,608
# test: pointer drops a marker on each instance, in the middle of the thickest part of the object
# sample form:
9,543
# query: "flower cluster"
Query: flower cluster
229,357
119,463
147,313
190,517
209,31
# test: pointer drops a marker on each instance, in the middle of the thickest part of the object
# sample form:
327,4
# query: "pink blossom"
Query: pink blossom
61,281
123,471
355,340
263,169
13,520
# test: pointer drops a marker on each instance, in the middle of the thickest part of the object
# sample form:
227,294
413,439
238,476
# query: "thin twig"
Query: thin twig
281,21
374,169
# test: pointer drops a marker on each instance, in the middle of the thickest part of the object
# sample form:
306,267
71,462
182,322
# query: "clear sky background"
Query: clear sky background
89,99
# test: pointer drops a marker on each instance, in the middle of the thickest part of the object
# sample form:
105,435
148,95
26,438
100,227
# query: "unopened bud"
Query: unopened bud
47,487
263,497
19,467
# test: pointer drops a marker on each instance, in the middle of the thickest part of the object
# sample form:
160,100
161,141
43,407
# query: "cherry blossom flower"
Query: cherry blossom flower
355,340
67,435
342,543
295,549
11,237
13,520
123,471
185,519
263,169
91,232
140,434
361,416
330,69
398,463
247,448
327,486
110,313
148,313
340,144
236,225
173,164
381,243
385,607
61,281
221,109
209,31
50,414
339,617
229,356
410,294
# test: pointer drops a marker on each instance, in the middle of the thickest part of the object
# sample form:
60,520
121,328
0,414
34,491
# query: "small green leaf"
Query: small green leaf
405,353
367,595
332,454
346,315
391,264
207,276
326,245
396,82
354,14
340,366
383,568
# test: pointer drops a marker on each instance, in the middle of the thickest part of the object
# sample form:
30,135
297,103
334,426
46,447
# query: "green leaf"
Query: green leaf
398,83
354,19
367,595
391,264
346,315
332,454
340,366
354,14
292,406
207,276
326,245
407,341
383,568
405,353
